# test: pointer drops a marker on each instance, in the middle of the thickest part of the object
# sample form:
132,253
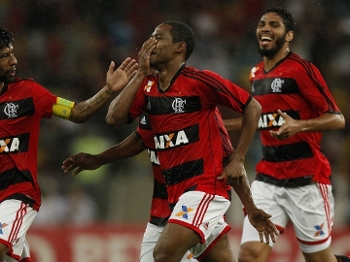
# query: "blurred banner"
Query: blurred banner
121,243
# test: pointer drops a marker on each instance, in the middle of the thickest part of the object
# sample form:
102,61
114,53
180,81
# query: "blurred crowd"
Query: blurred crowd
67,46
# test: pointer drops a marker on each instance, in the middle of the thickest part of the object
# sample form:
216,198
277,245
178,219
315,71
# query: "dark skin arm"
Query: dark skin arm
116,80
233,124
129,147
234,171
236,175
257,217
325,122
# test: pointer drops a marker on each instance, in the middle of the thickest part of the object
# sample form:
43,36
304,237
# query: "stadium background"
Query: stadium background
67,45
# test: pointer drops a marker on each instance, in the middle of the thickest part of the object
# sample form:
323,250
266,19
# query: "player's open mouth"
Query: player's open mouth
12,72
265,39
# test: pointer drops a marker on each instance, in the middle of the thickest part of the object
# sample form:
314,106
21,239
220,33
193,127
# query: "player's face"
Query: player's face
164,50
8,64
271,34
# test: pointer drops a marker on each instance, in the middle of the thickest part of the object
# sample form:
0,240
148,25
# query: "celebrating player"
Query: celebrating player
181,103
293,180
23,103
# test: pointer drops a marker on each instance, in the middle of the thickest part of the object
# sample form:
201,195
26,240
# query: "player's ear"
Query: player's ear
289,36
181,47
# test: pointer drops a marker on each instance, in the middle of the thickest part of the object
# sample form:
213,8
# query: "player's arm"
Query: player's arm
119,108
129,147
320,98
116,79
325,122
233,124
236,175
234,172
257,217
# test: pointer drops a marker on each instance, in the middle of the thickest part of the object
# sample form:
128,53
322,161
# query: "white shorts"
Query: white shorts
203,213
150,238
15,220
310,208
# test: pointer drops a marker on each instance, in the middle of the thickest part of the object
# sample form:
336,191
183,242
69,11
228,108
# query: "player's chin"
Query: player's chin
10,78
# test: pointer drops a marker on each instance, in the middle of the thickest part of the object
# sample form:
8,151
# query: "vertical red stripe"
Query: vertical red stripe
202,209
325,196
18,222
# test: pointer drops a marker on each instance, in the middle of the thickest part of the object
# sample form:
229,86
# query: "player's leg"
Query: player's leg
221,251
3,251
312,213
150,238
174,242
264,195
16,218
194,219
216,247
149,241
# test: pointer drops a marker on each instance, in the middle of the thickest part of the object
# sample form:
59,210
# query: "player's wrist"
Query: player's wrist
109,90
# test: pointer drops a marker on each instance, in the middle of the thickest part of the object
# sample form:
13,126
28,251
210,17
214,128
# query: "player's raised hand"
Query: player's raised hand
118,78
144,55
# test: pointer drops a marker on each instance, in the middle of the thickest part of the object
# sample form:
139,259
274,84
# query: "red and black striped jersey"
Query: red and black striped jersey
186,134
160,210
296,87
23,104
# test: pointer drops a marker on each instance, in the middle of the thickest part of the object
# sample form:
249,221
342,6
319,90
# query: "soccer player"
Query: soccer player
293,179
134,144
23,103
181,103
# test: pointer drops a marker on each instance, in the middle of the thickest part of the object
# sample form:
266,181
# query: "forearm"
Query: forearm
248,128
82,111
119,107
244,193
326,122
129,147
233,124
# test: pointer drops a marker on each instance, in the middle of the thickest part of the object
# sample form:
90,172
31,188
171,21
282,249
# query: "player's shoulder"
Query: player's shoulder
198,73
19,80
297,60
22,83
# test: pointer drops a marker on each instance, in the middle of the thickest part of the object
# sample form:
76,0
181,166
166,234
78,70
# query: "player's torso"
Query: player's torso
22,105
186,136
17,124
278,89
296,156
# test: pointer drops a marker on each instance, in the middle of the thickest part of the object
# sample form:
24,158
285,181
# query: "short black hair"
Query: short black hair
6,37
287,17
182,32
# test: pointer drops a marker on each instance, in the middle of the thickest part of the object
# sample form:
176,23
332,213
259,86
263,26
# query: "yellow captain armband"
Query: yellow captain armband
62,108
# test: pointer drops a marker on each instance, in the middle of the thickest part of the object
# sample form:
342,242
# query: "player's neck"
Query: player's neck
167,74
2,84
270,62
